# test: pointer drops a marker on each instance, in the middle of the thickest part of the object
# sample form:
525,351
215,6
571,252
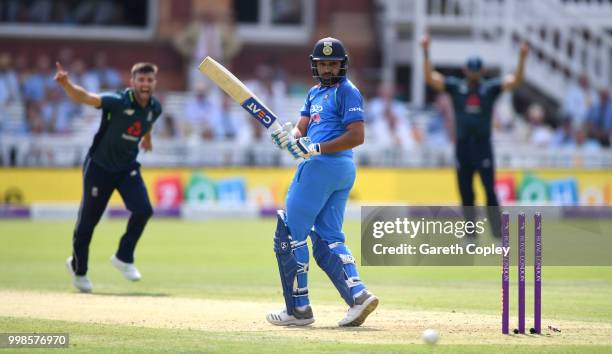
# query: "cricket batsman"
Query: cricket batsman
127,119
330,126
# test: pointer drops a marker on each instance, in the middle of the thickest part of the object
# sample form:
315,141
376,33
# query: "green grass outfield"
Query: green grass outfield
231,262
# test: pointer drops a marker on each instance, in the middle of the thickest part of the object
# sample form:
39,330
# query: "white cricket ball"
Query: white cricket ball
430,336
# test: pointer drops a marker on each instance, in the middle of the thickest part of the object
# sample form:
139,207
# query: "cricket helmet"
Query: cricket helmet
329,49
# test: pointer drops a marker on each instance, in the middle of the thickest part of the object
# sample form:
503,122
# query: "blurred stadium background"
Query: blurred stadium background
210,160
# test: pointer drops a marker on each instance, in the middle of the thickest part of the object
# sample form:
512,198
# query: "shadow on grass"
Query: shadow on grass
336,328
129,294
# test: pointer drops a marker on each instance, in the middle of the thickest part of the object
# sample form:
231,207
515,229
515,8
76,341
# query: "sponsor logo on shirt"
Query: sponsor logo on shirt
472,104
355,109
316,108
315,118
129,137
133,132
135,129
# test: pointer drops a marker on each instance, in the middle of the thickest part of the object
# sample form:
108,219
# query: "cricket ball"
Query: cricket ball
430,336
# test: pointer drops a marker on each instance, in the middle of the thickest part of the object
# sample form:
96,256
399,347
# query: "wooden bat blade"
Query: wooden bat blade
239,92
225,80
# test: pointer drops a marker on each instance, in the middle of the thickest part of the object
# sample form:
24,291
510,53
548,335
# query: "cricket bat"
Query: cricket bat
239,93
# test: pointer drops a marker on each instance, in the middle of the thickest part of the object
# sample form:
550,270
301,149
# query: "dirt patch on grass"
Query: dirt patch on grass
386,325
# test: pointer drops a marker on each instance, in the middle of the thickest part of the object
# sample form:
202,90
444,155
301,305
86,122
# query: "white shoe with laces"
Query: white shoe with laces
81,282
129,270
299,318
365,304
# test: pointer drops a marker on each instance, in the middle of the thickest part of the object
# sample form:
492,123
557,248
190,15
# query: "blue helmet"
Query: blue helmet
329,49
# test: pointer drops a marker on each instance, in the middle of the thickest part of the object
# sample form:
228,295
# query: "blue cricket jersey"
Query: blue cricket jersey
331,109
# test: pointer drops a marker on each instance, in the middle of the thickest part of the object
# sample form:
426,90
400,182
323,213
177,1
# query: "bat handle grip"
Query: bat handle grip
275,126
289,128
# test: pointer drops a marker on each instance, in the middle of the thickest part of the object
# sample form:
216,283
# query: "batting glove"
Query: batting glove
304,148
281,136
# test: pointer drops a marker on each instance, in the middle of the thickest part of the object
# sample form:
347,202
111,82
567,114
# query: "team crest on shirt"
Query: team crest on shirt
325,97
128,111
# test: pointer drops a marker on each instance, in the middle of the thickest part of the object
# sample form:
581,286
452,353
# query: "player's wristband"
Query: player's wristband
315,149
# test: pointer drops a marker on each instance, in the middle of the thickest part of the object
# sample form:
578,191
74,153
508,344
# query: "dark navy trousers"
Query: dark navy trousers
98,186
476,155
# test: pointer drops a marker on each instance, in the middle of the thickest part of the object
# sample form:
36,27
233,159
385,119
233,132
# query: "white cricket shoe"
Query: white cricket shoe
365,304
81,282
299,318
129,270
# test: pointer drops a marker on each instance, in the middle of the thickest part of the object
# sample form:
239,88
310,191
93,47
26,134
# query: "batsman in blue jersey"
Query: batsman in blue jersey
110,164
331,125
